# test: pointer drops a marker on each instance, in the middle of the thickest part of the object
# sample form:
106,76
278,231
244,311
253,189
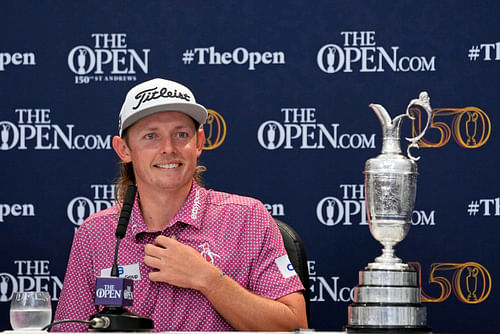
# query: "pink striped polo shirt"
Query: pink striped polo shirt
235,233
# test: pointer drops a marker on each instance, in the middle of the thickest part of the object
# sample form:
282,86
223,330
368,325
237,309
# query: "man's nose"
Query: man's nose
167,146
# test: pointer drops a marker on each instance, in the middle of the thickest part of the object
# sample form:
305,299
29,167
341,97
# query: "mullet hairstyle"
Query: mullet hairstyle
127,175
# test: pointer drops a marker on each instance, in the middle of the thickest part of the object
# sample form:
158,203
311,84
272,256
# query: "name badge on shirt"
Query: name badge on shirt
130,271
285,266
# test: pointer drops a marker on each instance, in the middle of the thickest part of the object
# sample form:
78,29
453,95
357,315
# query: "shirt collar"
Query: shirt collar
191,212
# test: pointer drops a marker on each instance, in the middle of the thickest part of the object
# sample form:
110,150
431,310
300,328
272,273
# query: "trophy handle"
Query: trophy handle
423,101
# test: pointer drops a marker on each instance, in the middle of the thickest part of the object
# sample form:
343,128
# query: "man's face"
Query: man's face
163,149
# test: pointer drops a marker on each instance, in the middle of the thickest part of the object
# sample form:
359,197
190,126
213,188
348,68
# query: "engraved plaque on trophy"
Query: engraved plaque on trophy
388,297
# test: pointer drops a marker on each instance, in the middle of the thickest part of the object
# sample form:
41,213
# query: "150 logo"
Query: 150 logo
470,127
470,281
215,130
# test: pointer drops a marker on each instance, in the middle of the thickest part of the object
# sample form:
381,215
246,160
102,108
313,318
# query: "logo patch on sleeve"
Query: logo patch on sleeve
285,267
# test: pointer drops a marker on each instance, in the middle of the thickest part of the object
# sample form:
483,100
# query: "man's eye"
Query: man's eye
182,134
149,136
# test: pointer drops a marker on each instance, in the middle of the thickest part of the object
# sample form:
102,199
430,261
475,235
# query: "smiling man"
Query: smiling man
202,260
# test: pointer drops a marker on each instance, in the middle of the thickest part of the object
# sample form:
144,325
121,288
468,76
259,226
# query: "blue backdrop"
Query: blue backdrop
288,84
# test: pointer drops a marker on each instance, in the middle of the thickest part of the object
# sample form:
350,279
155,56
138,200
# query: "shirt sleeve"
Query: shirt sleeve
272,274
77,295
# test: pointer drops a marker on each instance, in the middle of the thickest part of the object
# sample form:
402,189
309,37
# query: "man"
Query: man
203,260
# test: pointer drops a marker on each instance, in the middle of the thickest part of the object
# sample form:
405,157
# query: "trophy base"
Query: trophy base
395,330
387,301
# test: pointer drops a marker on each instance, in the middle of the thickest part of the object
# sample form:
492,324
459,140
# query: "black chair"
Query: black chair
297,255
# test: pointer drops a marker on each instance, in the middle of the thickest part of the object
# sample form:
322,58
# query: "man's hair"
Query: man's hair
127,176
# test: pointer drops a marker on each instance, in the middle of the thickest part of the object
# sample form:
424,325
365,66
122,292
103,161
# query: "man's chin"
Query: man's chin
174,185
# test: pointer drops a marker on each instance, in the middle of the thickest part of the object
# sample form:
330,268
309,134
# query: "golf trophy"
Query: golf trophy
388,297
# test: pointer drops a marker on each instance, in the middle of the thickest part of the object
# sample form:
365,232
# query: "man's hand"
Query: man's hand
179,265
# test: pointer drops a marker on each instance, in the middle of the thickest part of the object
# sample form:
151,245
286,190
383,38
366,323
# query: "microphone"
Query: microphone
115,292
128,204
121,229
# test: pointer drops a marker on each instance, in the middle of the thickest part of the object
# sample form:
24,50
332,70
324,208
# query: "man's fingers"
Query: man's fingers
154,251
161,241
165,242
152,261
155,276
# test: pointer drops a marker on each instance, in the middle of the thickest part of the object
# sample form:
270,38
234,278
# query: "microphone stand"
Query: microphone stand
117,318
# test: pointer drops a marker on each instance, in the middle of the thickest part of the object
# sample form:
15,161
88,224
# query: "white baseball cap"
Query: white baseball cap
158,95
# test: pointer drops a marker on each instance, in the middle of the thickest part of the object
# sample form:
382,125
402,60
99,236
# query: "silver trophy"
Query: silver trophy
388,297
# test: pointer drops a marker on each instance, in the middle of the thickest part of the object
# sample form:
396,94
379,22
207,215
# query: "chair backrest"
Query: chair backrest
297,255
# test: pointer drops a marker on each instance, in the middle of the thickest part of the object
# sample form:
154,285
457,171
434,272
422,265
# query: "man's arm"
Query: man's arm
182,266
249,312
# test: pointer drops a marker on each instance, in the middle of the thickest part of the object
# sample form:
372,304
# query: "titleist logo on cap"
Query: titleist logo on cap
155,93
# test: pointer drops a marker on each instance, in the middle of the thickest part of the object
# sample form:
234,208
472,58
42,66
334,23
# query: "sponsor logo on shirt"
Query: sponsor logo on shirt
196,205
285,266
207,253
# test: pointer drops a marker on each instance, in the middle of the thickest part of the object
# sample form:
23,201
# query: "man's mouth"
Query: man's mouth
168,166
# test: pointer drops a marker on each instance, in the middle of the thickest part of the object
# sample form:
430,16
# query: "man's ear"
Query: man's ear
201,141
121,148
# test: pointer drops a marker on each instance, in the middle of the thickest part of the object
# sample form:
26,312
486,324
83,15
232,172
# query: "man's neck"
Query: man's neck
159,207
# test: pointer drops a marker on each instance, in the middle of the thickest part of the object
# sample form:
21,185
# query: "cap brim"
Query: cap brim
195,111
